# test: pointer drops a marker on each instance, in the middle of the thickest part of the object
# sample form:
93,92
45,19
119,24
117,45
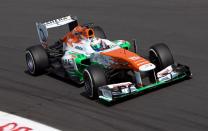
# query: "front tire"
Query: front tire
161,56
36,60
94,77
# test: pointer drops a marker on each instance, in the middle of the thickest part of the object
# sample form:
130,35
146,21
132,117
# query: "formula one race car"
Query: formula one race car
108,69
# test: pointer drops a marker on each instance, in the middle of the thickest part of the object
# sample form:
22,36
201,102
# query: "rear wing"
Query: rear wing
42,28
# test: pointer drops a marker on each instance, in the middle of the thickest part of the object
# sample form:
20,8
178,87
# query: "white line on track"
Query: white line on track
10,122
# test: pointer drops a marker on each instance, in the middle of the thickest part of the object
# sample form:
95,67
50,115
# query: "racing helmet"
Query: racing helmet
77,30
96,47
98,44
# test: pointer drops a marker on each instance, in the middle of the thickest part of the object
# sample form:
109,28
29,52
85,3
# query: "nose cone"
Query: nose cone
134,61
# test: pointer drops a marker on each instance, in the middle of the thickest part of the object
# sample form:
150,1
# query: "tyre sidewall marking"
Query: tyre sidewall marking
152,50
91,84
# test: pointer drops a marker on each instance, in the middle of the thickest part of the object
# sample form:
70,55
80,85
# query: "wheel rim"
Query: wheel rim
88,84
30,62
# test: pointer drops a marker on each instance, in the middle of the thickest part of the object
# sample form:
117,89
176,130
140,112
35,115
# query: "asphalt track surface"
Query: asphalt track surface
182,24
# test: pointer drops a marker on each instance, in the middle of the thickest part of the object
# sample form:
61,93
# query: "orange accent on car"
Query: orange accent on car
88,33
70,38
134,61
75,35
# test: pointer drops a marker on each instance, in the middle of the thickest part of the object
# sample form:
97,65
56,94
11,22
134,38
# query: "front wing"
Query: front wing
114,92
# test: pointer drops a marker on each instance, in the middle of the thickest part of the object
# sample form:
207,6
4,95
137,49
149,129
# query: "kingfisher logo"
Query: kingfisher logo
14,127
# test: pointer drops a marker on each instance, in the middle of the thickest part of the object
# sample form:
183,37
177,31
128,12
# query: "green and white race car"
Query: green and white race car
108,69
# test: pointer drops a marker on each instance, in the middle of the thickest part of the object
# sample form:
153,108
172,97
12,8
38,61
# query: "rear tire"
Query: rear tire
161,56
94,77
36,60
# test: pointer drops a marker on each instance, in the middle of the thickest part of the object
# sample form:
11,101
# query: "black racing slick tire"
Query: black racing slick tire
36,60
161,56
94,77
99,32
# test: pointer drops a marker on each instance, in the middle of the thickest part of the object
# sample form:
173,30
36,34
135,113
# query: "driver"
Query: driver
99,45
80,33
74,36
